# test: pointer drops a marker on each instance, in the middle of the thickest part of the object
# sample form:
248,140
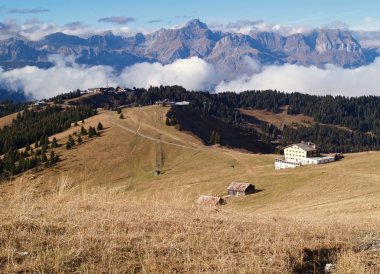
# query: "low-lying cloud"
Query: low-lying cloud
332,80
66,75
192,74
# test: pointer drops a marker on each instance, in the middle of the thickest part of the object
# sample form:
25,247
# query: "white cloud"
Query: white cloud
66,75
248,27
63,77
35,29
291,78
193,74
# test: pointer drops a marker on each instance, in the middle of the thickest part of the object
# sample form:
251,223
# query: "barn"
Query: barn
239,189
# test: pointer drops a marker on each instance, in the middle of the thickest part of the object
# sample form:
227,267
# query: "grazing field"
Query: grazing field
279,119
7,120
101,209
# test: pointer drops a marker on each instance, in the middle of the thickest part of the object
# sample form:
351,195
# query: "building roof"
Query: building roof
209,200
182,103
307,146
239,186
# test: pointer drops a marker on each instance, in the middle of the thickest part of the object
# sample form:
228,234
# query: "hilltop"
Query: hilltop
101,208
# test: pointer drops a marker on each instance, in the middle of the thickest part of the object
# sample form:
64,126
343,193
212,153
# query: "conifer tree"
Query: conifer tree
91,132
83,131
100,126
217,138
54,143
212,138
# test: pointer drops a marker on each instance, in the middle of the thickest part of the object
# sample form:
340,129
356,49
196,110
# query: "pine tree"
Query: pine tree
217,138
100,126
79,140
44,157
54,143
118,111
91,132
68,145
212,138
121,116
83,131
53,158
70,142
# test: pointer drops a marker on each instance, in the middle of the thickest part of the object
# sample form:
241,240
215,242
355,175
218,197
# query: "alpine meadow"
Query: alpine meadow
137,138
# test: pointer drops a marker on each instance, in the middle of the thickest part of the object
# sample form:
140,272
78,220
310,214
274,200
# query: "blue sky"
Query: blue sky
171,12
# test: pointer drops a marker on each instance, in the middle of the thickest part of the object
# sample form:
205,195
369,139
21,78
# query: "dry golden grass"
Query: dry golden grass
7,120
279,119
102,210
78,229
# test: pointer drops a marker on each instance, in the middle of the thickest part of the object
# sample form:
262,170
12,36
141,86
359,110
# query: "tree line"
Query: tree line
8,107
30,126
361,115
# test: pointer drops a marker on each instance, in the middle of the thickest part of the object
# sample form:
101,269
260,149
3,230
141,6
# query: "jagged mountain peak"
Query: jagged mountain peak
225,50
195,24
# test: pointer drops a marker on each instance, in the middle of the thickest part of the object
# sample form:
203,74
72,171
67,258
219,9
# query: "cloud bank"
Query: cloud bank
192,74
66,75
332,80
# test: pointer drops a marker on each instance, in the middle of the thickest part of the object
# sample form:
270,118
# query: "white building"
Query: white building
304,153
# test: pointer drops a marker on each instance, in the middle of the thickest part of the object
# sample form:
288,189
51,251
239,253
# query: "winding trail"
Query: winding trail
158,140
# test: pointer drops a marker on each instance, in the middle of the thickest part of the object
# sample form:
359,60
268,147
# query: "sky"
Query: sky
147,14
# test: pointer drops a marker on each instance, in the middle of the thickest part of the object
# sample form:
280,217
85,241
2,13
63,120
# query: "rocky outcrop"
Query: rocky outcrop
227,51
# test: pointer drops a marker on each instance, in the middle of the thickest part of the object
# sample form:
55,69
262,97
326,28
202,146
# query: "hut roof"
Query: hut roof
239,186
209,200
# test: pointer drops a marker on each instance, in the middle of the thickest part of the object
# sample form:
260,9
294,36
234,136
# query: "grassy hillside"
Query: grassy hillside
280,118
102,209
202,126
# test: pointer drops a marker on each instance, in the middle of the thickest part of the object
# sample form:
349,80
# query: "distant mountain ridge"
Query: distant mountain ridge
227,51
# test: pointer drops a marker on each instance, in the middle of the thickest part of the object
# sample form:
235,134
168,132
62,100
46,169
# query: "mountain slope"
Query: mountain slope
297,222
226,51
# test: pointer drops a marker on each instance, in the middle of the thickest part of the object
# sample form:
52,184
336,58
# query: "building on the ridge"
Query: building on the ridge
166,103
239,189
304,153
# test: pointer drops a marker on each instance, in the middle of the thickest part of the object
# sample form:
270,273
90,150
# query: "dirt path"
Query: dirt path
154,139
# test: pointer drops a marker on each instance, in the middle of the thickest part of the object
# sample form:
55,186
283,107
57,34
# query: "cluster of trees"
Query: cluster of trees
357,113
8,107
91,132
361,115
65,96
16,161
170,120
331,138
31,126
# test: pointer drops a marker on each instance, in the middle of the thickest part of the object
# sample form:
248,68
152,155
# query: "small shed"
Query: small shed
210,201
238,189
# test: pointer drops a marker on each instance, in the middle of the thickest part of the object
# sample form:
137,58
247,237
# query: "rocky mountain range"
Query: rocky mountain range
231,53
